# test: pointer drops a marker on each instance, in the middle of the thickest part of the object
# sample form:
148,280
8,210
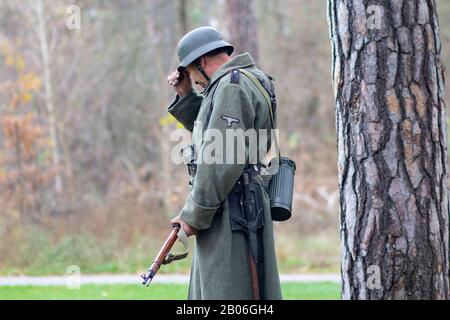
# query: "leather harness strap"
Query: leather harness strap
268,99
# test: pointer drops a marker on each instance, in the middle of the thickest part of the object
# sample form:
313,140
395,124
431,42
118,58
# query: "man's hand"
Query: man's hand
190,231
181,82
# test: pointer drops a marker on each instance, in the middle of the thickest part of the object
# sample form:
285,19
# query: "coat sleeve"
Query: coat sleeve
186,109
214,180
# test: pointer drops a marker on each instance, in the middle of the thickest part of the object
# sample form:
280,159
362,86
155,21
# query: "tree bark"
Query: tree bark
242,26
392,149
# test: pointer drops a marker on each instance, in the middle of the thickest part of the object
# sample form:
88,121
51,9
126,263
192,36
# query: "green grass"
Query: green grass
291,291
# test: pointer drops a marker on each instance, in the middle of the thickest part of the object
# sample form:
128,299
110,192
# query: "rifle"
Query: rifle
164,256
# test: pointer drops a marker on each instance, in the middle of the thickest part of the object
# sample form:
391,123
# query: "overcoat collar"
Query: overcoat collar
244,60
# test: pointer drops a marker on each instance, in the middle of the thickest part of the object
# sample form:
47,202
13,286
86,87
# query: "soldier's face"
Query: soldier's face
196,76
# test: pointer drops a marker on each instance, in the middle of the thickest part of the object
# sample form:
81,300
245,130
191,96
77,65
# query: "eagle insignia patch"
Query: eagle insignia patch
229,120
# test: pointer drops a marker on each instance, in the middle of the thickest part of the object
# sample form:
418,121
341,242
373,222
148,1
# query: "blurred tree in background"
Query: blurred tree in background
241,26
84,145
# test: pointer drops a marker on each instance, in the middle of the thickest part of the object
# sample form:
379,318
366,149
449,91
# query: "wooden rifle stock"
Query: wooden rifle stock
163,253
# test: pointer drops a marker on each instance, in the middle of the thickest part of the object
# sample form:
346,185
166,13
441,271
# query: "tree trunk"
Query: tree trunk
165,173
242,26
42,33
183,17
392,149
21,194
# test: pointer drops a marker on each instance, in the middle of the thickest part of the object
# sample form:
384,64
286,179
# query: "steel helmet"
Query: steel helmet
198,42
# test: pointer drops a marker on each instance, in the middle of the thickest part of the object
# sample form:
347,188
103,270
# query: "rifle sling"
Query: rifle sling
174,257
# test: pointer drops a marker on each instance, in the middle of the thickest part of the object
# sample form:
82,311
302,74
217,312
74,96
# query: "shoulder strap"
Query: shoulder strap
234,76
266,95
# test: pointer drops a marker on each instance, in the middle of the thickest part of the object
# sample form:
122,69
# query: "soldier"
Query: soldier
229,100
